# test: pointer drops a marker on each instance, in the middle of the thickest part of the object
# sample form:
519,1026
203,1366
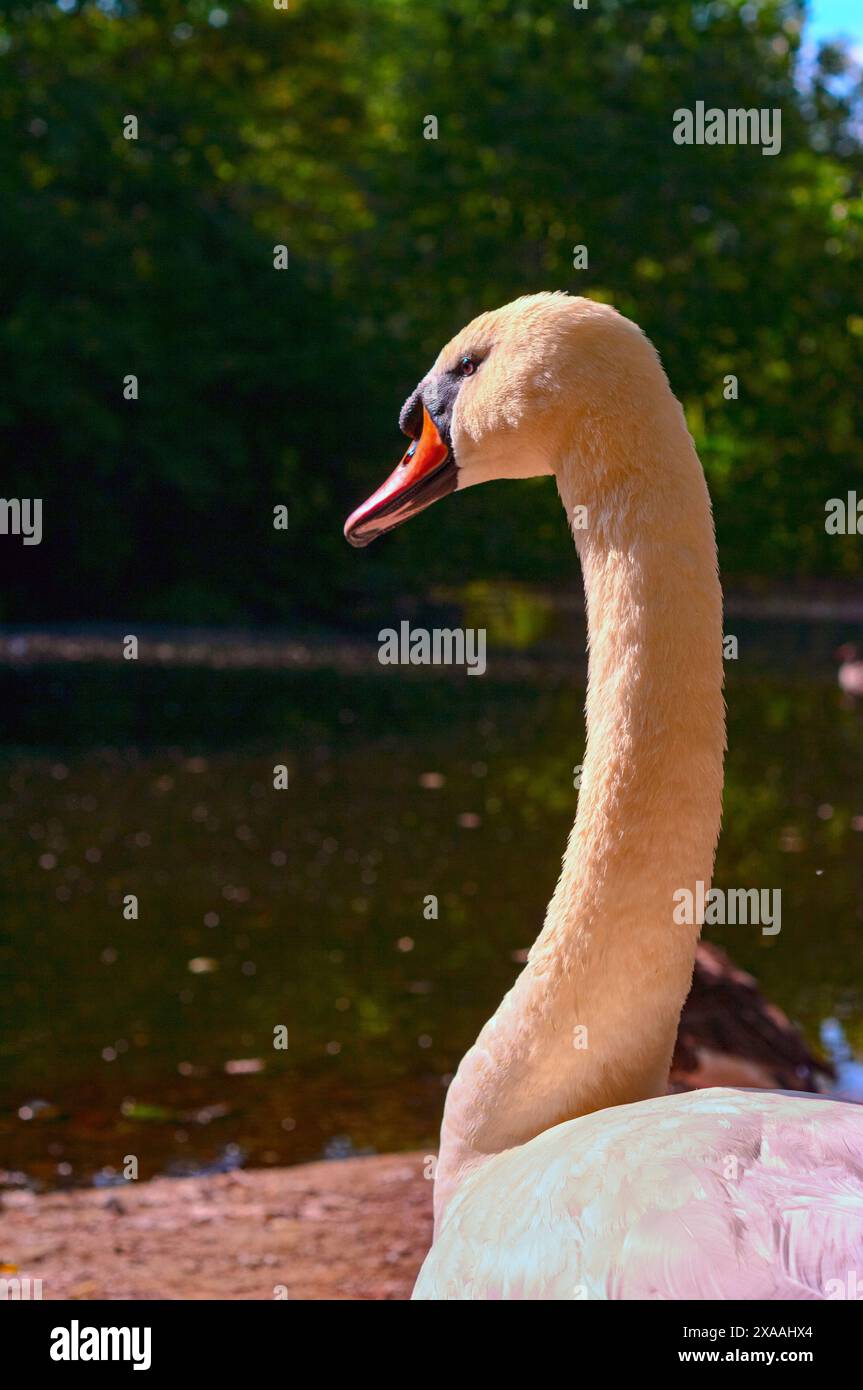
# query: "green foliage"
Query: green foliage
305,127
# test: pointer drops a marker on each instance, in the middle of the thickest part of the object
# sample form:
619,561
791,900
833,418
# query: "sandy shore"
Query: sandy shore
352,1230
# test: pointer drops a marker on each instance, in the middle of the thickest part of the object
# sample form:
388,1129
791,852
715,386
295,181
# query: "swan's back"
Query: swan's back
716,1194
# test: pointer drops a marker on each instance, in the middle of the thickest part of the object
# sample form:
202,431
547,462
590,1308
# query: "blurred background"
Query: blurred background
257,388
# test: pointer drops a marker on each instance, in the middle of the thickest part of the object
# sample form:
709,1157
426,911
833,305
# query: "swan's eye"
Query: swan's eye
467,366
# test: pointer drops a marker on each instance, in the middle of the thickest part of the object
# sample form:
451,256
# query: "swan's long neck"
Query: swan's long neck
592,1019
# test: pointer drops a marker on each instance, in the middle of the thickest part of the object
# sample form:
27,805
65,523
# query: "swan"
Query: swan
850,669
730,1035
565,1170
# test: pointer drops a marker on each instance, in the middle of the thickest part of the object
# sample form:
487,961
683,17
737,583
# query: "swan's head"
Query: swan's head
507,398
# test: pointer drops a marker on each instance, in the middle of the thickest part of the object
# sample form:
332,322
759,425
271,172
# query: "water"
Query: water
304,909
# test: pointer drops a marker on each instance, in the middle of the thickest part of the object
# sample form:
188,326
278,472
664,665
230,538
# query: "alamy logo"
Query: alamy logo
21,1288
77,1343
849,1287
844,516
21,516
735,126
440,646
738,906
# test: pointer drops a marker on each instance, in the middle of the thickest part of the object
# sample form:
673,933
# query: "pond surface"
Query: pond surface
304,909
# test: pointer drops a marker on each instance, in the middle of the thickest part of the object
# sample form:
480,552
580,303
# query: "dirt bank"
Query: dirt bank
352,1230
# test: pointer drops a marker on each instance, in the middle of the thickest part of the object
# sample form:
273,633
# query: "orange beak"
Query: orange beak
426,472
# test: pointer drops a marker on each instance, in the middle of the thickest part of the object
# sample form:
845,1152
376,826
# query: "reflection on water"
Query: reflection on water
304,908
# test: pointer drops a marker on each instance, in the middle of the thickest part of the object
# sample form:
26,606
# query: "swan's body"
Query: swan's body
563,1166
711,1195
